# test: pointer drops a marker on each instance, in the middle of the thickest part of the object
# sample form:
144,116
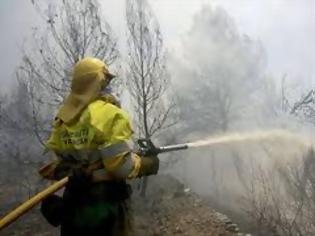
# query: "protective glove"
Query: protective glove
48,171
52,209
62,170
149,166
79,180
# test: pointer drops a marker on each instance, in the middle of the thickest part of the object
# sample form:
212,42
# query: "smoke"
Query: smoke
220,78
222,86
216,72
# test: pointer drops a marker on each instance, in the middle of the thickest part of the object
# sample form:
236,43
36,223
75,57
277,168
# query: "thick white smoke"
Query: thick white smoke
222,85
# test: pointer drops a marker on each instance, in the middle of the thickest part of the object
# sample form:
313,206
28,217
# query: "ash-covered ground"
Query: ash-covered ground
168,209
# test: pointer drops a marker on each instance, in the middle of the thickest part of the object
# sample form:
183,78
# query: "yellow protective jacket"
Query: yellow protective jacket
100,133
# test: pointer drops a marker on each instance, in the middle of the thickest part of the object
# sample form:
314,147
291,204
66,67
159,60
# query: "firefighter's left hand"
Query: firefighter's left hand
149,165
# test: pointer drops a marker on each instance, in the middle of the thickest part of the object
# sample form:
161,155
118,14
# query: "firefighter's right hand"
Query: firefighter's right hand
79,180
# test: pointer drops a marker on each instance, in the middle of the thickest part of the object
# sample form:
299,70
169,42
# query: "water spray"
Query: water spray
268,135
147,148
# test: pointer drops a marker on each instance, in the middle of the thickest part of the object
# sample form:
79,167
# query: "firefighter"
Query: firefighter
90,143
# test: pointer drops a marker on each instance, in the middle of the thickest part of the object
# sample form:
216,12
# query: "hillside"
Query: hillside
168,209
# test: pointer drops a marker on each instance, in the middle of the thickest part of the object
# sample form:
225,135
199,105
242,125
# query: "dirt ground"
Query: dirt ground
168,209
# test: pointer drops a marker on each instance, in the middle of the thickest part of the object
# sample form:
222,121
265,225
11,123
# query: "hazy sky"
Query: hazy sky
285,27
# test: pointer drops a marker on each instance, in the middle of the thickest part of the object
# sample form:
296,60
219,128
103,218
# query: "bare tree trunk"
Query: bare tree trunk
147,79
71,31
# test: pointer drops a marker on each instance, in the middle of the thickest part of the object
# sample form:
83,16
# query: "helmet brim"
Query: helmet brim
110,76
